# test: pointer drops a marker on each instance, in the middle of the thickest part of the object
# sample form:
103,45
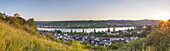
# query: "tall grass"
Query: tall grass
13,39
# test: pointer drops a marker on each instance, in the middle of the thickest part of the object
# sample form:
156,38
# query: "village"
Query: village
99,38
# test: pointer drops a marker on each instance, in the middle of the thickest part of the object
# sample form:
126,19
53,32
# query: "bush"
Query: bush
48,35
113,47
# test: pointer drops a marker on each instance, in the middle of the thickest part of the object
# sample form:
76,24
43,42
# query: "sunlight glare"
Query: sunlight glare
163,16
164,19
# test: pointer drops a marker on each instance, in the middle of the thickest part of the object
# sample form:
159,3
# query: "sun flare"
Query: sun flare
163,16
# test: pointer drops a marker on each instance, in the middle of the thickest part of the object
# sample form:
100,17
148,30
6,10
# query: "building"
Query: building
16,15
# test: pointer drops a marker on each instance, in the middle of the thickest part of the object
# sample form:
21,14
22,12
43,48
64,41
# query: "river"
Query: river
88,30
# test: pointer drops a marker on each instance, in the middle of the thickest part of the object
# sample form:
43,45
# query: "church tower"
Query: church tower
16,15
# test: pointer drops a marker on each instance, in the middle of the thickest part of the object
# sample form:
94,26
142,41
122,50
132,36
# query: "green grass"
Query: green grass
15,39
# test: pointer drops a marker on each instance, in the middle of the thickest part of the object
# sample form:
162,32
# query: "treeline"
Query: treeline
19,22
77,24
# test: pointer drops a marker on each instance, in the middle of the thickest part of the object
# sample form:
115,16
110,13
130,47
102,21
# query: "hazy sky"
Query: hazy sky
57,10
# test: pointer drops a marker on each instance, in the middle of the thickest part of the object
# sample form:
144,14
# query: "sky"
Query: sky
61,10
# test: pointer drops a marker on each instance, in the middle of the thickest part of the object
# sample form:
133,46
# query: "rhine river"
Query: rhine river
88,30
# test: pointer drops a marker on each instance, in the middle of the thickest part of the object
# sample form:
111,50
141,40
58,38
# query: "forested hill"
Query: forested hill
18,34
89,24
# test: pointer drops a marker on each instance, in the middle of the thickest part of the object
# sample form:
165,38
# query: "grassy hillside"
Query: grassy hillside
157,40
16,34
18,39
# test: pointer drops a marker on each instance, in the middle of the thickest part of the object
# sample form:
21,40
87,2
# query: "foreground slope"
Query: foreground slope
12,38
16,39
18,34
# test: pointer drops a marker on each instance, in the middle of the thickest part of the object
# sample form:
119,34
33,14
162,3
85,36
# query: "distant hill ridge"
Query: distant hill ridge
99,23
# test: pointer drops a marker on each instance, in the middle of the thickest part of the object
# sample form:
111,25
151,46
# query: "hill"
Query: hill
157,40
20,35
96,24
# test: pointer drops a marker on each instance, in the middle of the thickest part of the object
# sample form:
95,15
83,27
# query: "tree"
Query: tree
94,30
108,30
68,43
88,46
48,35
85,43
96,48
57,40
59,31
99,48
71,31
83,30
113,29
75,32
1,16
113,47
102,48
31,21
